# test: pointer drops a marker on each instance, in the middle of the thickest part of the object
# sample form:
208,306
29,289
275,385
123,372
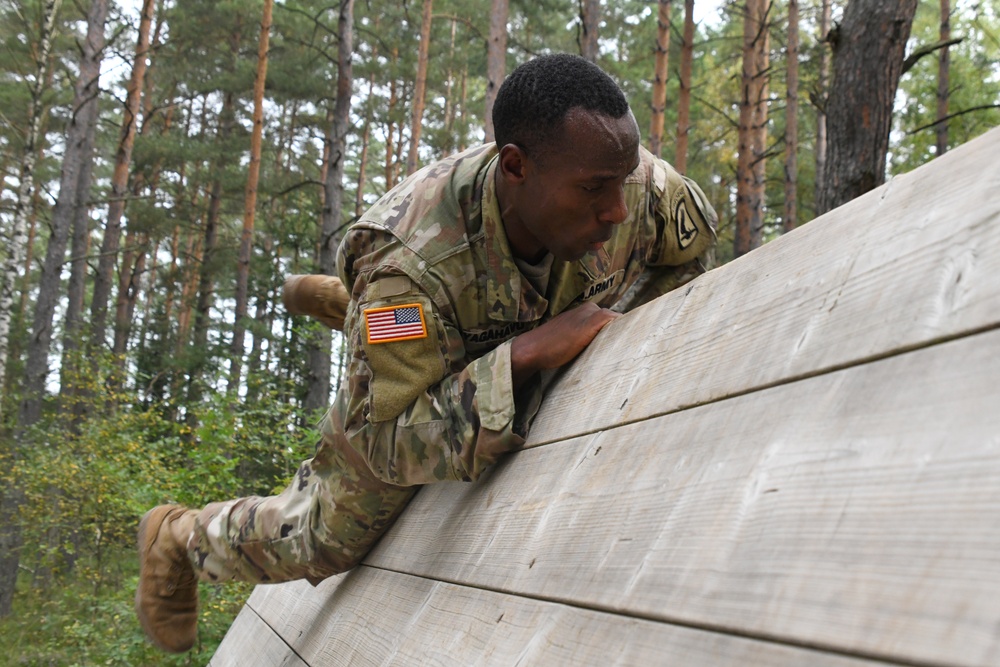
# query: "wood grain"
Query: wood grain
912,263
251,643
793,461
374,617
858,510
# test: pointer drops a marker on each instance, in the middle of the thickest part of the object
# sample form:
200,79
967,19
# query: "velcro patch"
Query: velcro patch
686,228
395,323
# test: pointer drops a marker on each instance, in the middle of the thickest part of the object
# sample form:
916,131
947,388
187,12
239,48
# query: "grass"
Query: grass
86,619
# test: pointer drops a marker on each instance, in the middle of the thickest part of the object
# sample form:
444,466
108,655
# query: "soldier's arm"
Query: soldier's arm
413,409
557,342
685,220
685,224
412,406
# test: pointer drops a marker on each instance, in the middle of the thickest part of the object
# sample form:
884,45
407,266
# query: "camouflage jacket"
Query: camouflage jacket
436,299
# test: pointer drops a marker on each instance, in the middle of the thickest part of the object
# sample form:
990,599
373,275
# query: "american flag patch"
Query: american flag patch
393,323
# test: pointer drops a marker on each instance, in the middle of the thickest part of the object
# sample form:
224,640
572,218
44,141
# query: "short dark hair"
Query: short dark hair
533,101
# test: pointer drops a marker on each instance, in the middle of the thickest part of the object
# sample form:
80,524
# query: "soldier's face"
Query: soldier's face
573,197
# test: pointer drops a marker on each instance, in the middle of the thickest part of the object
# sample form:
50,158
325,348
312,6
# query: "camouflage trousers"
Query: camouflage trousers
322,524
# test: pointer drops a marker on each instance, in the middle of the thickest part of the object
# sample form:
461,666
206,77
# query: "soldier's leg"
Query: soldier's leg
322,524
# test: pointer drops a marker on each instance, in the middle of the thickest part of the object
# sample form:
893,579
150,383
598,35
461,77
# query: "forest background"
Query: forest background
167,163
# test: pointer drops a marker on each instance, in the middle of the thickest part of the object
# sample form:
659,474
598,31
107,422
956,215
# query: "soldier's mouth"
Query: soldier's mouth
598,244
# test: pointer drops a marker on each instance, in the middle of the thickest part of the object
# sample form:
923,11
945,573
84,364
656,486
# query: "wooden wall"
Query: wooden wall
794,460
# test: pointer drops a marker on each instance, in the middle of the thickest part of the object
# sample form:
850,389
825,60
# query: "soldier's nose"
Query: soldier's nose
615,210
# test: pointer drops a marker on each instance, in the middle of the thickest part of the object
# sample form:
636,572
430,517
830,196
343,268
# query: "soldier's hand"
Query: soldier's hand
558,341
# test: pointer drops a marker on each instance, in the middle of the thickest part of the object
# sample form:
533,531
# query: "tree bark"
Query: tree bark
662,51
590,22
822,94
318,383
250,201
867,63
25,193
11,498
359,193
684,96
119,184
73,193
496,60
941,139
792,118
752,129
390,162
420,91
129,284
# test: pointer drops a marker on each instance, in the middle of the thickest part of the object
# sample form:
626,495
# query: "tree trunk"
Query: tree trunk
119,184
25,193
822,95
752,130
12,498
943,77
445,148
662,51
263,314
74,168
318,389
250,201
359,193
684,96
419,92
461,108
390,171
590,22
69,385
792,119
496,60
29,255
209,248
129,284
867,63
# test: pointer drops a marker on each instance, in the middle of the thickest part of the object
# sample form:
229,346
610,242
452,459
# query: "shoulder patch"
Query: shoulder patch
395,323
686,229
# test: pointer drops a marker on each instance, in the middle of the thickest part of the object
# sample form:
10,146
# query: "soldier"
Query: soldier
465,282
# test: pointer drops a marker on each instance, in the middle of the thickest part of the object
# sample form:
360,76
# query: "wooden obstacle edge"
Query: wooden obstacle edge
794,460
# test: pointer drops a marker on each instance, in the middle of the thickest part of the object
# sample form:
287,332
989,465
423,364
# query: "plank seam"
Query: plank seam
681,623
276,633
861,361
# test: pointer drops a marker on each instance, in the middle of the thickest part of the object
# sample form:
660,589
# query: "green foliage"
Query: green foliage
102,456
974,82
86,482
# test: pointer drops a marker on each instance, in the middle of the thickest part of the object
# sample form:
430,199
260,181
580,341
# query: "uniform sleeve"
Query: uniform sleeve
414,409
685,221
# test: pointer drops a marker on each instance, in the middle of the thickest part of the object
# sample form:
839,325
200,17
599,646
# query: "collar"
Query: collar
510,297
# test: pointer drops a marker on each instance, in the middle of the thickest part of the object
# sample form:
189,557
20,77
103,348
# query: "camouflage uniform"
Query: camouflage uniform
437,404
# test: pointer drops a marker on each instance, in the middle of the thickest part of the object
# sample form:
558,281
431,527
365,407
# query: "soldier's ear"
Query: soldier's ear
512,163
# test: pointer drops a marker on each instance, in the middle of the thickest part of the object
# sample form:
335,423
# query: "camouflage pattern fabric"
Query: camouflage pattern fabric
436,401
322,524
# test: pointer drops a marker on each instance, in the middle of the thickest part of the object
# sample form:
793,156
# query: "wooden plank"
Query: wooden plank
858,510
251,642
374,617
914,262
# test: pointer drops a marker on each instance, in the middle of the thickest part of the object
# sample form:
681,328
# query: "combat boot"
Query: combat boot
321,297
166,599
